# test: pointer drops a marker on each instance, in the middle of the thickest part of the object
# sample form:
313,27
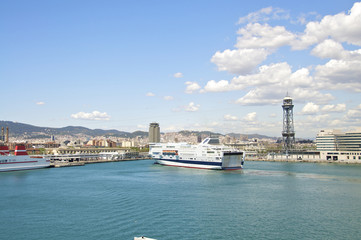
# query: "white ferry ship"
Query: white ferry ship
206,155
20,160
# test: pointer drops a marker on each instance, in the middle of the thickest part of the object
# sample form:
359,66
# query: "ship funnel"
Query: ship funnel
20,150
4,150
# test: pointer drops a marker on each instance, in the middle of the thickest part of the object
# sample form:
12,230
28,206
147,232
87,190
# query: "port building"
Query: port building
337,145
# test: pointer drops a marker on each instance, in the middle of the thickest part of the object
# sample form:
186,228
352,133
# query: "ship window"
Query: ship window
213,141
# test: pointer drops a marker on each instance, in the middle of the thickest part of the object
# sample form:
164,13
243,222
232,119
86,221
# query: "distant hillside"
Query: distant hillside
30,131
238,135
199,133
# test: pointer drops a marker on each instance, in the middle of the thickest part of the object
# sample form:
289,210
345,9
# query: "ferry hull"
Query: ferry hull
24,163
207,155
196,164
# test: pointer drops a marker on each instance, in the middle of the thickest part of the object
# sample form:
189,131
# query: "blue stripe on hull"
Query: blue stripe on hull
196,164
193,162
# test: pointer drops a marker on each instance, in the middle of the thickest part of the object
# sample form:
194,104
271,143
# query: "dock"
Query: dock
302,160
71,160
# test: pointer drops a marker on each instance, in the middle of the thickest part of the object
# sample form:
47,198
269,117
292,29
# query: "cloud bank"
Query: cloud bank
268,83
95,115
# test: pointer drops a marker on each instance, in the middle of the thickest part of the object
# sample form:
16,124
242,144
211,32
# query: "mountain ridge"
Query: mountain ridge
17,129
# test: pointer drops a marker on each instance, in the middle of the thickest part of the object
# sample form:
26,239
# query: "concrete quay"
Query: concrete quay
304,160
82,163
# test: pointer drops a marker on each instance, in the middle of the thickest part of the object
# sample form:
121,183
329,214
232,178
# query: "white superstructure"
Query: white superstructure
20,160
206,155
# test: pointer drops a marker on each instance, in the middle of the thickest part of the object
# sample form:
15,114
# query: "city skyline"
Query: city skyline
221,66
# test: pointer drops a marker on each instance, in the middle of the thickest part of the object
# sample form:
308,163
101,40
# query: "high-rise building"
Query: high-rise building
288,132
336,140
154,133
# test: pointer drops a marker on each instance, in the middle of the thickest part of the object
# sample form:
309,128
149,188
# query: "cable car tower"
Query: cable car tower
288,133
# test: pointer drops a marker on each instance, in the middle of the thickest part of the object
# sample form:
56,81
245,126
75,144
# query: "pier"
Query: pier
300,160
69,160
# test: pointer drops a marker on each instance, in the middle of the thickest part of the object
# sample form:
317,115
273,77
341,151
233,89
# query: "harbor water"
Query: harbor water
121,200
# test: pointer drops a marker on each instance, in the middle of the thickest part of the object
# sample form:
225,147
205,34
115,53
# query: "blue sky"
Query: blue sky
223,66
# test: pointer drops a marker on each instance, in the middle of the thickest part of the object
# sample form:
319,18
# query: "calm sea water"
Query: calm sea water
120,200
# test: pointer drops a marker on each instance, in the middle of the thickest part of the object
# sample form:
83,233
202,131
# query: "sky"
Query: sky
217,65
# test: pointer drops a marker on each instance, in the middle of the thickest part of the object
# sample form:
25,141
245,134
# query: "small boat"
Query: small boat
143,238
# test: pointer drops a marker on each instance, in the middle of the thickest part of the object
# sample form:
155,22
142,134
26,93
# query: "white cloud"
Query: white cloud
140,126
178,75
168,98
261,96
192,87
267,75
334,108
273,75
40,103
328,49
340,27
274,95
220,86
269,84
340,74
95,115
319,118
335,122
305,94
304,17
150,94
171,128
354,113
230,117
255,35
177,109
239,61
264,15
192,107
250,117
342,71
310,108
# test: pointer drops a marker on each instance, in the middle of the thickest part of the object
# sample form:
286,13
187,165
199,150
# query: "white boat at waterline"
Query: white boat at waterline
20,160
